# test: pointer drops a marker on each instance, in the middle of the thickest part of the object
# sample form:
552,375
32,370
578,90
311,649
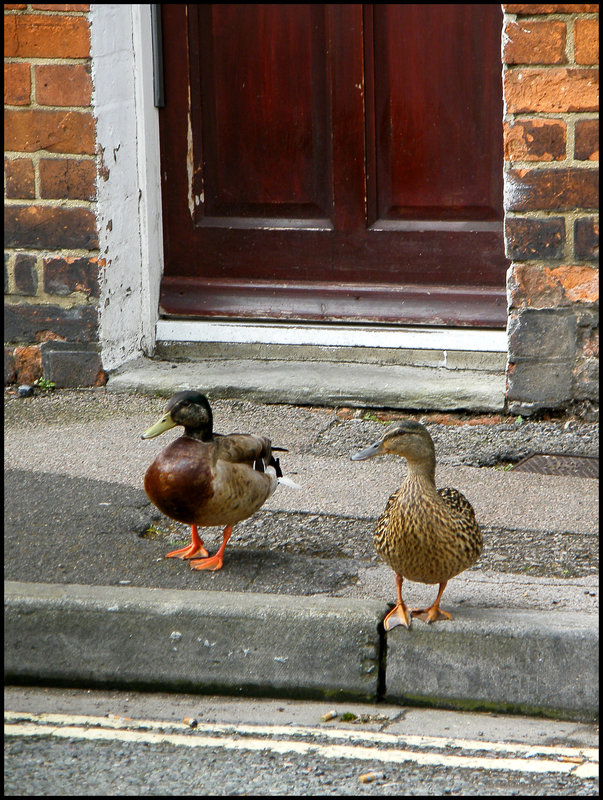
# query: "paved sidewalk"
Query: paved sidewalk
90,600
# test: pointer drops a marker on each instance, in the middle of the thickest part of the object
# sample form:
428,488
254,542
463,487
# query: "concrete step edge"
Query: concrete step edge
306,647
319,383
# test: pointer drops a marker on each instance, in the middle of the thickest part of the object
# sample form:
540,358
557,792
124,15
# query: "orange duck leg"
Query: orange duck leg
434,612
215,562
399,615
195,548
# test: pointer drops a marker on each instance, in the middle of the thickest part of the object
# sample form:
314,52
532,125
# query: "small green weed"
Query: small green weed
371,416
153,532
44,385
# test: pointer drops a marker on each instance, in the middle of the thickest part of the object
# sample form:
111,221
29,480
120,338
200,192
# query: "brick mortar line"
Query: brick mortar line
538,166
33,85
49,202
547,67
573,215
71,252
534,263
560,116
66,302
51,61
557,15
554,264
34,106
570,41
43,12
16,155
548,212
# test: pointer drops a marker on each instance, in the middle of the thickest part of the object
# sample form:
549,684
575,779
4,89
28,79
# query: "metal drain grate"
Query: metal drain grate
558,464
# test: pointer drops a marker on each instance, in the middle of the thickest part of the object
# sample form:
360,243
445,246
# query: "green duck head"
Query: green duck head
190,409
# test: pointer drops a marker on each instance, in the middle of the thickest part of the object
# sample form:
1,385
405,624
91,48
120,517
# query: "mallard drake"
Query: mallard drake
205,478
425,534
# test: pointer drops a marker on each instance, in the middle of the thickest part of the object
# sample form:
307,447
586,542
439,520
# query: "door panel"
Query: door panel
264,127
437,112
333,162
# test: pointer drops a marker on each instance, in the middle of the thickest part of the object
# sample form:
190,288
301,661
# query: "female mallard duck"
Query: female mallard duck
425,535
204,478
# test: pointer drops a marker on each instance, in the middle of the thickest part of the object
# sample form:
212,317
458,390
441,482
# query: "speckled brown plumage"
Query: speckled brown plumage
424,534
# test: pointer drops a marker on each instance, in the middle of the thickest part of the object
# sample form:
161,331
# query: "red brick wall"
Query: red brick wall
51,260
551,81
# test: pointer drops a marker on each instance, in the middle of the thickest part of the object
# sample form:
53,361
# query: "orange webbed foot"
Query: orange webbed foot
214,563
195,548
397,616
188,552
434,612
430,614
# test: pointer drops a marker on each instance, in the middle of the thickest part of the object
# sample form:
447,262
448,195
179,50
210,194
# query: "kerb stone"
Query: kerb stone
206,642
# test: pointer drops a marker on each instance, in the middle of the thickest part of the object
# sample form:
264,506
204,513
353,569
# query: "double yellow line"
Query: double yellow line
335,743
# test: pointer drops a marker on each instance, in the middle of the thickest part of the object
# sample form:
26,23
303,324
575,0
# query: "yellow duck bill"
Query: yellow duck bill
164,424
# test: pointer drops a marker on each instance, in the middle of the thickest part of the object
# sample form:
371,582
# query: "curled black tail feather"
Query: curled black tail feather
260,465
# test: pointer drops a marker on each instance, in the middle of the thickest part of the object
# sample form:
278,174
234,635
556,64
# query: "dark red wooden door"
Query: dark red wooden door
333,162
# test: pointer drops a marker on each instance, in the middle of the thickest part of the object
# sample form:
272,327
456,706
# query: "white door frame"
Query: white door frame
129,218
128,180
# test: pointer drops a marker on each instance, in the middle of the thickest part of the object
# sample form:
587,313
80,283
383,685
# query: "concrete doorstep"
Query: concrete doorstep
236,643
320,383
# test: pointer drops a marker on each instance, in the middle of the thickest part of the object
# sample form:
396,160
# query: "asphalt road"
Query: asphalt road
64,742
